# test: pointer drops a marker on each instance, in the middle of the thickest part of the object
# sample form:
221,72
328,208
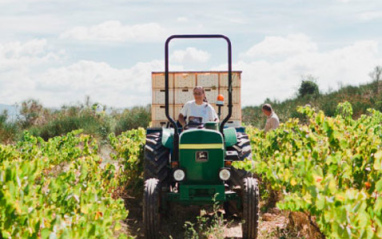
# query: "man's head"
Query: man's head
267,109
199,93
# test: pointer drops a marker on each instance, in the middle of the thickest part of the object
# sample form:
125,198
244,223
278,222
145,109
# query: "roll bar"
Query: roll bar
172,121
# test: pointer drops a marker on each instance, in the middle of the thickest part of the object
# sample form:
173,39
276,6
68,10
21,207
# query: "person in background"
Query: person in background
272,119
197,111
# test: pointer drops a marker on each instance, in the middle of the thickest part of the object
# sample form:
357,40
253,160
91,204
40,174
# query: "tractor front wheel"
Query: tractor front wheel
156,158
250,214
151,207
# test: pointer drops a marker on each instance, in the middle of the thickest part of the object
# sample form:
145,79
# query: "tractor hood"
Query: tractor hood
201,155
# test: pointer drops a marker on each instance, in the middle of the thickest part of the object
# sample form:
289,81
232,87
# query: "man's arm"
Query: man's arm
181,120
212,114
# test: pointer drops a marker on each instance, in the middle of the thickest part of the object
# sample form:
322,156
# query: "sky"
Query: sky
60,51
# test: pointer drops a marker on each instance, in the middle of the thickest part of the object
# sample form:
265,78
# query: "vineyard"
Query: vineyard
329,168
57,189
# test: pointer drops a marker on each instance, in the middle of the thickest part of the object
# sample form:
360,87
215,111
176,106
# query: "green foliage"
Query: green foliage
129,153
345,110
330,168
376,76
57,189
132,119
206,226
32,113
361,98
308,87
96,125
8,130
90,117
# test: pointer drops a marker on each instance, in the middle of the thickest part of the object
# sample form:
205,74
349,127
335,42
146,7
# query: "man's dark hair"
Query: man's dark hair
267,107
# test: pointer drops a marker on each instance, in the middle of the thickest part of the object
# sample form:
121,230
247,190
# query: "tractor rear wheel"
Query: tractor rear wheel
250,204
243,149
151,207
243,146
156,158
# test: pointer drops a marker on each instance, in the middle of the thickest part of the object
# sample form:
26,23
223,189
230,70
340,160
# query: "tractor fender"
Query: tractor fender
168,138
230,137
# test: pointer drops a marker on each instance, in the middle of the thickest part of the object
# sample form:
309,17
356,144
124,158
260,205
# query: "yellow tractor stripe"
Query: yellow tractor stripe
200,146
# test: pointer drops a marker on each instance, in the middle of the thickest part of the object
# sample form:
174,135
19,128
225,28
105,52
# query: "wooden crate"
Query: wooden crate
211,95
159,96
159,123
236,111
158,81
158,112
236,81
235,94
185,80
183,95
177,109
208,80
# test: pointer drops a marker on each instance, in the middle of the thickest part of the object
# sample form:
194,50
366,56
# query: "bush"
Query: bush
8,130
132,119
97,126
308,87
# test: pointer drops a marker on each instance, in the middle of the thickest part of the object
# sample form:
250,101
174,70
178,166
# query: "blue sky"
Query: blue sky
59,51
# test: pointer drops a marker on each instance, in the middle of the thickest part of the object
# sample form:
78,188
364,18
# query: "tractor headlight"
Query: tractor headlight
179,175
224,174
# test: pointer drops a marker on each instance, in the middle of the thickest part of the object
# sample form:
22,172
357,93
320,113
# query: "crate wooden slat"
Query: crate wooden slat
208,80
183,95
158,112
159,96
185,80
236,111
236,79
158,123
235,94
158,81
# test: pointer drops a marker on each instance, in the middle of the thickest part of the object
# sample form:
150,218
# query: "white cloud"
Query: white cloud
33,52
279,46
279,79
370,16
191,54
182,19
125,87
115,31
103,83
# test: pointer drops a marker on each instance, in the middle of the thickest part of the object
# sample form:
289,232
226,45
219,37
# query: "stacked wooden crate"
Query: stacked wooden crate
181,85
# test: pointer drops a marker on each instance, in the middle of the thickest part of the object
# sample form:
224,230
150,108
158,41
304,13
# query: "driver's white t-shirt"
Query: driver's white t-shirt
197,114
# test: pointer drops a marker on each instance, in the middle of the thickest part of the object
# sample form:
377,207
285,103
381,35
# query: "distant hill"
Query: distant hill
11,109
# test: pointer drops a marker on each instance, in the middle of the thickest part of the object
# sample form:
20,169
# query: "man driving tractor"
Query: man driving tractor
197,111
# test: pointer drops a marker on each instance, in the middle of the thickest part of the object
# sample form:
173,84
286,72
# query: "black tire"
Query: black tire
243,146
244,150
250,202
156,158
151,207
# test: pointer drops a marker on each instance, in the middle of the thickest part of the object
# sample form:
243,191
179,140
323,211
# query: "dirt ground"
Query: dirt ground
273,224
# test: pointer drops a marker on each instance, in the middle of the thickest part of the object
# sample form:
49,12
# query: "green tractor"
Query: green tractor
193,166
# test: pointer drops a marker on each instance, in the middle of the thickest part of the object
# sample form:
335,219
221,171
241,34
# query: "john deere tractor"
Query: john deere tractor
193,166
